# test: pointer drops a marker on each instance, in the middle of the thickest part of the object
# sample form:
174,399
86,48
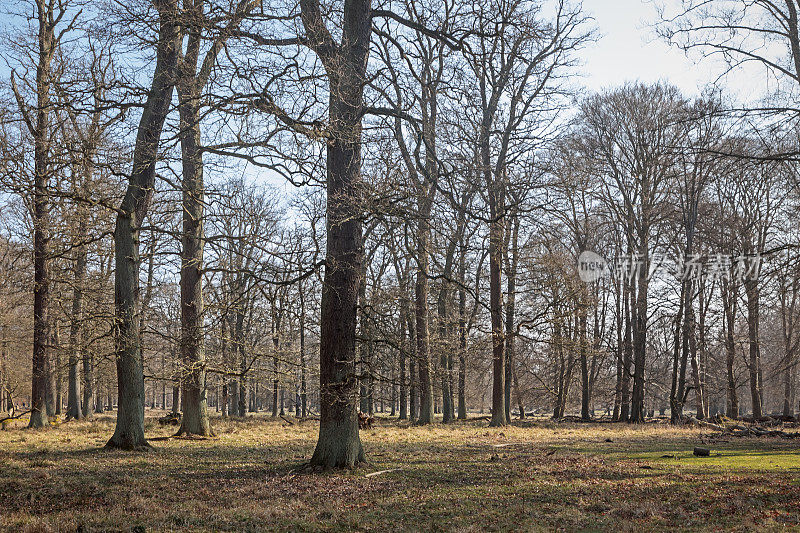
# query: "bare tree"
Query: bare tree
129,431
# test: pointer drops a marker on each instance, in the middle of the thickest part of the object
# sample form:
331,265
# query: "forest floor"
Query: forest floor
536,475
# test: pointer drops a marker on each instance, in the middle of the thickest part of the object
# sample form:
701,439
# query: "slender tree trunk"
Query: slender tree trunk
619,354
678,366
584,357
225,361
59,373
88,379
627,345
303,384
404,349
512,259
129,431
752,292
426,399
690,343
195,415
412,370
5,401
462,341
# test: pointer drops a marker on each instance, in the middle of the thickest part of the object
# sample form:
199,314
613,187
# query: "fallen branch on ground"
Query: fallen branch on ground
14,417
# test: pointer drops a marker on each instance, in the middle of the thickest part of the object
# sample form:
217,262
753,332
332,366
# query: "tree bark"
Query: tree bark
40,375
403,358
76,323
129,431
193,383
729,301
512,260
496,311
754,368
462,340
339,444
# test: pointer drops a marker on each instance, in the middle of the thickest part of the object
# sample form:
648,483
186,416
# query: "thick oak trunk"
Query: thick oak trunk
339,444
40,374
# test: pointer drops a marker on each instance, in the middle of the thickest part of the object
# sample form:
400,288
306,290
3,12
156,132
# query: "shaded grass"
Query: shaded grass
461,477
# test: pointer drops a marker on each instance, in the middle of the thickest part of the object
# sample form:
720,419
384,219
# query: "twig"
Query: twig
379,472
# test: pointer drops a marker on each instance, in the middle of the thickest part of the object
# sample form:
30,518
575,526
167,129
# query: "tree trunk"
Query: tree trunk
690,343
339,444
76,323
512,259
129,431
462,341
584,356
640,333
754,368
426,399
195,413
729,315
404,349
627,345
303,384
496,312
678,366
413,375
619,326
40,375
58,375
5,402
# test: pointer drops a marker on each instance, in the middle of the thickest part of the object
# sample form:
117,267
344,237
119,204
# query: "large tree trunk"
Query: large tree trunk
496,311
129,431
40,375
339,444
195,414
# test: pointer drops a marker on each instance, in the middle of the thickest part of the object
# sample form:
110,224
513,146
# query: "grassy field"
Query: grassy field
464,477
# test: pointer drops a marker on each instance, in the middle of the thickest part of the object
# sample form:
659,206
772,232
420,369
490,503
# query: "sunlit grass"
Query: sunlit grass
462,477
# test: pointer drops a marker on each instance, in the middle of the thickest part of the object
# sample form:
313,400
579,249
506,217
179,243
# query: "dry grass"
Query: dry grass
464,477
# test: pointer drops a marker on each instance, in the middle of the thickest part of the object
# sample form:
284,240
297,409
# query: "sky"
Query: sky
629,50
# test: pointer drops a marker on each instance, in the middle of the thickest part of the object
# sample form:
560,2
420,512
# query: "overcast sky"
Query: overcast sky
629,50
